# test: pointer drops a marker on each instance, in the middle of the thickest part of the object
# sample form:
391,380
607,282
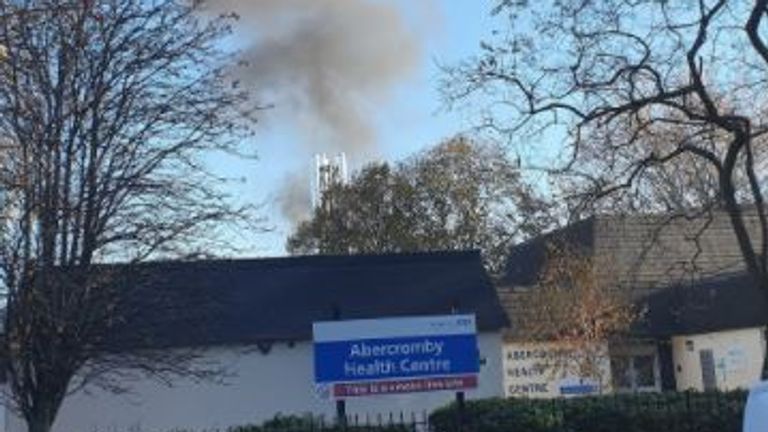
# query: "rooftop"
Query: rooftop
222,302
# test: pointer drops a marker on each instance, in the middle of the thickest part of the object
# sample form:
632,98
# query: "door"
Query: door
708,376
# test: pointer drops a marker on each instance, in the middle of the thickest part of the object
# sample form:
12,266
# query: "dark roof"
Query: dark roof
729,301
525,260
688,270
647,250
222,302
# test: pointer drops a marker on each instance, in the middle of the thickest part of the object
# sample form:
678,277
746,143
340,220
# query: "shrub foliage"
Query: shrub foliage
647,412
310,423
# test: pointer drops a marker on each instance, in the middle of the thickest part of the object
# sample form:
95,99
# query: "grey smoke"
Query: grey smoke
295,197
327,65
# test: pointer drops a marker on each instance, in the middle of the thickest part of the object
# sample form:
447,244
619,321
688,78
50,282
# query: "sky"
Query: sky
355,75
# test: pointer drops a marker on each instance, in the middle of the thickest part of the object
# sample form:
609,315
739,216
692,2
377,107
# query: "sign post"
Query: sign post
395,355
460,410
341,404
341,413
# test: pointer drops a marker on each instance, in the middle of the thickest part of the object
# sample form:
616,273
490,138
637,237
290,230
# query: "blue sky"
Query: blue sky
411,119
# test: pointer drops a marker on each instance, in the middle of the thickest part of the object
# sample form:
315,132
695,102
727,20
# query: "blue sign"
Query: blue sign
395,348
581,389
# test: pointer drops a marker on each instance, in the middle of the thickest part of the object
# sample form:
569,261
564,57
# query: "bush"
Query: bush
310,423
495,415
645,412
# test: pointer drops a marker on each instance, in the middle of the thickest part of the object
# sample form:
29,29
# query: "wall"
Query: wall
738,356
529,371
279,382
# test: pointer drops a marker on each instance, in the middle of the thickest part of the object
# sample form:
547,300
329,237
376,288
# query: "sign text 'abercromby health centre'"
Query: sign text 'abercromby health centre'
395,355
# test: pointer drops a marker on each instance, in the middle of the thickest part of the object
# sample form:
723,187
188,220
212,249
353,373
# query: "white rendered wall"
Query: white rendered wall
279,382
738,356
529,373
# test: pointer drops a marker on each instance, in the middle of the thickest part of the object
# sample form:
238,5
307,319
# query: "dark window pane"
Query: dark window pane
620,372
645,371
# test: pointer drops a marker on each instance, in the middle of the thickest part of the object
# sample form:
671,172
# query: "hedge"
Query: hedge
644,412
309,423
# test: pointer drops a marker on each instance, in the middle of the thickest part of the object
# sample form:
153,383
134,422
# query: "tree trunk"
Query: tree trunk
754,260
764,373
40,422
43,411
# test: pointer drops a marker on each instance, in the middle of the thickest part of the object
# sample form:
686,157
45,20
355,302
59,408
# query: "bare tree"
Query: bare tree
107,110
577,307
601,75
686,187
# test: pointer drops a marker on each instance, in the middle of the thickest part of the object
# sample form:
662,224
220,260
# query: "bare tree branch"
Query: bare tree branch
649,94
107,111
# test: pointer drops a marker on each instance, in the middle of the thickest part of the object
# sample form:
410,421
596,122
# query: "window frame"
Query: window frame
630,354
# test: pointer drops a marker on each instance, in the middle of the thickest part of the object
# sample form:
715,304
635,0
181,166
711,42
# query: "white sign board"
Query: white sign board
529,372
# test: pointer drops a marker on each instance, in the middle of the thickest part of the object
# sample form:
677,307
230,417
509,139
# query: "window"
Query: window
645,371
620,372
635,370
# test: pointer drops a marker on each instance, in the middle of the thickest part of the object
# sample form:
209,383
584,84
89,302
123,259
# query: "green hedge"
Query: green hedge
309,423
645,412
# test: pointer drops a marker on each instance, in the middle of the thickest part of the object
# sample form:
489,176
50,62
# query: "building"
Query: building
673,268
716,329
258,324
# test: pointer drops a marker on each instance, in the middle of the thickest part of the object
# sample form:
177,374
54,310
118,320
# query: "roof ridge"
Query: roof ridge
327,259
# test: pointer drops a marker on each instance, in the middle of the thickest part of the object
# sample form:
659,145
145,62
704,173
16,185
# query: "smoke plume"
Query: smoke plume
326,65
295,197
